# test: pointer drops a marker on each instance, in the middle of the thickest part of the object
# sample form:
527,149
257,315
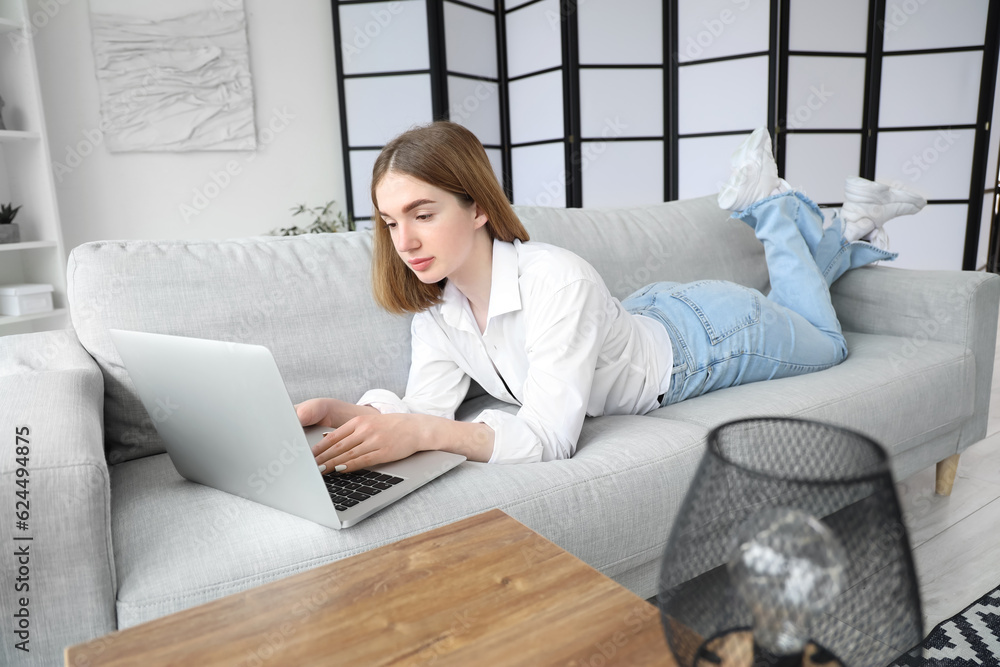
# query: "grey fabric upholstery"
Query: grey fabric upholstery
607,505
896,403
127,540
308,299
633,247
925,306
51,386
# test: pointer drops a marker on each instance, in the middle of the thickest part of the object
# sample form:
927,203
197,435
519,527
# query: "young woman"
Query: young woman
536,326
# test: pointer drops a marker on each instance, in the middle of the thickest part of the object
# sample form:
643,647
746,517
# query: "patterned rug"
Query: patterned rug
968,639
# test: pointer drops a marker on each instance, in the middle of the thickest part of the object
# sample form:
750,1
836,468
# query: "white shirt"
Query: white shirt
566,348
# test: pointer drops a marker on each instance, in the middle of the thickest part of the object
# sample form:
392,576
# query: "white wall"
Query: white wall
105,195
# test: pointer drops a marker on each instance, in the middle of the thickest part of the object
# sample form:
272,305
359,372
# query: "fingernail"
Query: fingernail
326,433
340,467
322,467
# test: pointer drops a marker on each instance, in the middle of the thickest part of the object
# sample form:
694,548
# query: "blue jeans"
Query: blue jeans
726,334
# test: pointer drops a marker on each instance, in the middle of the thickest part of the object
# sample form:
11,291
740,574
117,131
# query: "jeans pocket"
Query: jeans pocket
722,307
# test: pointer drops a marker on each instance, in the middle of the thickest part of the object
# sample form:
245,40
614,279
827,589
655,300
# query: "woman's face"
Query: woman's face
433,232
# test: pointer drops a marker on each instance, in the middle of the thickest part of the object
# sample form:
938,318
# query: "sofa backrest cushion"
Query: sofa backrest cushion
681,241
308,298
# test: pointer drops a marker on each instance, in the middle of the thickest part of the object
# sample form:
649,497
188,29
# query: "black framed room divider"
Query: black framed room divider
629,102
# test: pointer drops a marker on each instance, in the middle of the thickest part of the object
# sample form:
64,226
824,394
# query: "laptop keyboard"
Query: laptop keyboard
350,488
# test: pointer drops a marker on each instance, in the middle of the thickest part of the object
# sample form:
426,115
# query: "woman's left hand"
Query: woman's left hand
372,439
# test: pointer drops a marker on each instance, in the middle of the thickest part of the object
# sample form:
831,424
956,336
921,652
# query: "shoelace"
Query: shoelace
879,238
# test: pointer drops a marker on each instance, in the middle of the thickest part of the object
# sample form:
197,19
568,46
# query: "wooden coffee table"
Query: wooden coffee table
482,591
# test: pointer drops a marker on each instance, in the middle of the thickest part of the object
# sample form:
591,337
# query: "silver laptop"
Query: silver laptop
227,421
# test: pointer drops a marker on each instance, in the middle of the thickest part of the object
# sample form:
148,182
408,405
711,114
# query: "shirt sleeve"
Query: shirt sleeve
436,384
565,332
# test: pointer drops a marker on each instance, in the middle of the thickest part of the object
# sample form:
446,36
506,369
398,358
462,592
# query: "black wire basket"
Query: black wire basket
789,549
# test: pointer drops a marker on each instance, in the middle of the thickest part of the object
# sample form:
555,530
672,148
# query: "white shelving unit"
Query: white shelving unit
26,176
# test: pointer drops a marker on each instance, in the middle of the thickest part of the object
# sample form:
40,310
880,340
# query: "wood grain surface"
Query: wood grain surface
482,591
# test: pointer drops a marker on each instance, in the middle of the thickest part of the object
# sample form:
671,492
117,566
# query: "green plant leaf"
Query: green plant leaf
325,220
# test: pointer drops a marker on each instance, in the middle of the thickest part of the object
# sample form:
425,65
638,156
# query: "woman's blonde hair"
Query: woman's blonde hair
450,157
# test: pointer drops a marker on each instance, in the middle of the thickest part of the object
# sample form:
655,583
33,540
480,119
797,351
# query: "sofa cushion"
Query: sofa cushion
307,298
178,544
632,247
888,389
875,391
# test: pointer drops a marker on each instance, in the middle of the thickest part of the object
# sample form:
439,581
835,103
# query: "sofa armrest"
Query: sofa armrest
957,307
52,393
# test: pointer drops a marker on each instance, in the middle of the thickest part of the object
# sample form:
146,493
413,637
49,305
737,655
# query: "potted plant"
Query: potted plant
325,221
9,231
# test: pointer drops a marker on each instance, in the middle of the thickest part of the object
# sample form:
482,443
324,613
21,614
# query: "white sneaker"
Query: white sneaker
755,174
869,205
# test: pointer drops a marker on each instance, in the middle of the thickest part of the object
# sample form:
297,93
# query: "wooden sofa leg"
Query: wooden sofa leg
946,470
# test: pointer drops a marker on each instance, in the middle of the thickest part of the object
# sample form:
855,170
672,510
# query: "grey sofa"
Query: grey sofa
120,538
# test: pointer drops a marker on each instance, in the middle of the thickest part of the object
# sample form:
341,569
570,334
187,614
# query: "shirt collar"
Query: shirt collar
505,294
